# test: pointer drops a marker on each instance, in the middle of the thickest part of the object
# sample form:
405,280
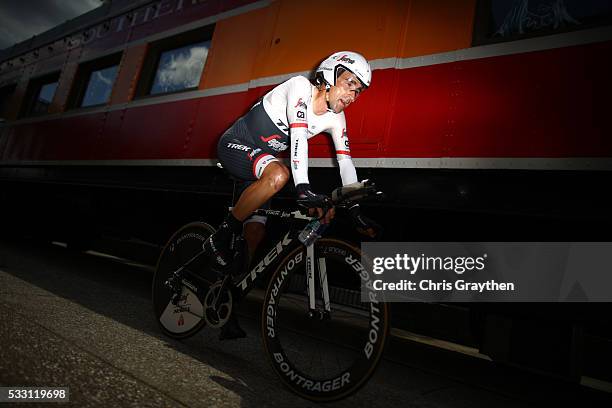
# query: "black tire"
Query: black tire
185,319
296,343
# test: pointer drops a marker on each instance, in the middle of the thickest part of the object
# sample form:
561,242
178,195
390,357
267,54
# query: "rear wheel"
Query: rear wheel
185,316
324,357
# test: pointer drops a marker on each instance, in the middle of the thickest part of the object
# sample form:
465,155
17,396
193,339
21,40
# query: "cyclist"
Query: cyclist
286,117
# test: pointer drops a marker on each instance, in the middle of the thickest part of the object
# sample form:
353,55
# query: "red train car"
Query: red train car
507,126
486,120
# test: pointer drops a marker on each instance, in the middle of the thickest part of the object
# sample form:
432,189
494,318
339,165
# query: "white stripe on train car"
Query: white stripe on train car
491,163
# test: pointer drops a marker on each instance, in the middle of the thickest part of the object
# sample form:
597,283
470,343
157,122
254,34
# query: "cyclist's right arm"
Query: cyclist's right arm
298,96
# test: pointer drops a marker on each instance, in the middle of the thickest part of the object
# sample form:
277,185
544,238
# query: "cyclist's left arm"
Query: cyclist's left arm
343,152
348,173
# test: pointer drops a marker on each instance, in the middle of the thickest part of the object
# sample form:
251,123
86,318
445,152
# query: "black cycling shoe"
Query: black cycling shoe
231,329
219,245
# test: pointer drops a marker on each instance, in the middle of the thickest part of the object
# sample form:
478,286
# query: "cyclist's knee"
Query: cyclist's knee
277,175
283,176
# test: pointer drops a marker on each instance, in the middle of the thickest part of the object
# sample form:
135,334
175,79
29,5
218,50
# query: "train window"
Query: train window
6,94
506,20
176,63
180,68
99,86
39,95
94,82
44,98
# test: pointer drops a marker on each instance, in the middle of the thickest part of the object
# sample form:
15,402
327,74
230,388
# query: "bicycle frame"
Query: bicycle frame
246,283
201,295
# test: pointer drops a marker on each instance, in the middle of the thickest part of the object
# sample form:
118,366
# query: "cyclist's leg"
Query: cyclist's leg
254,227
234,154
270,180
258,195
254,231
266,177
249,163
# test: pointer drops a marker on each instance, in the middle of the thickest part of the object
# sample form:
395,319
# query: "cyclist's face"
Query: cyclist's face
347,89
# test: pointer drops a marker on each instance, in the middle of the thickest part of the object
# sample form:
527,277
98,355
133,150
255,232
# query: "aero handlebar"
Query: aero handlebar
355,192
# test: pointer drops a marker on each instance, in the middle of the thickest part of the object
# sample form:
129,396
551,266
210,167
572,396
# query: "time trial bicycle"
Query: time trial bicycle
323,326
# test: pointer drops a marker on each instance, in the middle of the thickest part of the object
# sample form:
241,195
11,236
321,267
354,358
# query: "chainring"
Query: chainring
217,317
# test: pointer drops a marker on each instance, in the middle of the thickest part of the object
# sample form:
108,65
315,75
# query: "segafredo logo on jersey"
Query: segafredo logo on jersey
300,103
345,58
273,143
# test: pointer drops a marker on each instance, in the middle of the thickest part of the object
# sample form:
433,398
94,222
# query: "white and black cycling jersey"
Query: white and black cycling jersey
284,118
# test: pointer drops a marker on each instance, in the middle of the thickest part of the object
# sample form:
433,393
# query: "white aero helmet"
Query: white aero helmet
349,60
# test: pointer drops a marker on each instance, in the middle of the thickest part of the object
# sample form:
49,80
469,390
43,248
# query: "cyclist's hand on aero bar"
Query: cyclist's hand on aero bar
364,225
317,204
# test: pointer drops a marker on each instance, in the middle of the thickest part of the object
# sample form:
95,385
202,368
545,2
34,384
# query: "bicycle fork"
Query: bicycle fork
311,270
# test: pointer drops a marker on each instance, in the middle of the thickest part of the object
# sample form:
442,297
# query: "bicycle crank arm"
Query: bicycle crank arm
224,285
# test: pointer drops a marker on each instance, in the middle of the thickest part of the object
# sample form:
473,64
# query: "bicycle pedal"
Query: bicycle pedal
176,297
171,284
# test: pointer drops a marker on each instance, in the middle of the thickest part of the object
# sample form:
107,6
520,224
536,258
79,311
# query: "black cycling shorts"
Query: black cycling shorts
243,160
239,156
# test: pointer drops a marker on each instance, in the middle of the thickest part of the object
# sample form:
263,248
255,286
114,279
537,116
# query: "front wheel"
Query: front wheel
325,355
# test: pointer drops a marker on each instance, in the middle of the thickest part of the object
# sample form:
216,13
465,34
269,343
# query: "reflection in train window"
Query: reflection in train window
180,68
94,81
100,86
504,20
44,98
175,64
39,95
